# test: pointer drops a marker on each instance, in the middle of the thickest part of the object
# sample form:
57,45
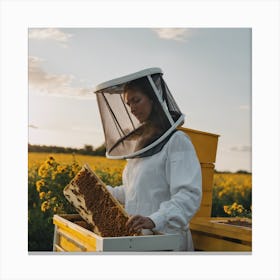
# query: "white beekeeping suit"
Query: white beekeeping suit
162,178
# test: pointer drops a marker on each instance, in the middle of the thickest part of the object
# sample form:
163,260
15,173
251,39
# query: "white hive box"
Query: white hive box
71,237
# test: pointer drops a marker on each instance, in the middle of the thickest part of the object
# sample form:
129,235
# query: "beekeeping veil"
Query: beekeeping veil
125,135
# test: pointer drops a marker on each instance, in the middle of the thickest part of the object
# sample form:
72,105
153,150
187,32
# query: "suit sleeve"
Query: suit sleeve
117,192
183,174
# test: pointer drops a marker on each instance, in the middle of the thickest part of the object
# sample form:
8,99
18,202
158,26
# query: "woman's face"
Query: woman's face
140,104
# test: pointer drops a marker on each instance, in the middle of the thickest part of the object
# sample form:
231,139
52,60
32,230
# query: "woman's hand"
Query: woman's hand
137,222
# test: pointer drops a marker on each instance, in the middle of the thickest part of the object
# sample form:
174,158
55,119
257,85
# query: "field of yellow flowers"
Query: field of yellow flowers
49,174
112,167
232,195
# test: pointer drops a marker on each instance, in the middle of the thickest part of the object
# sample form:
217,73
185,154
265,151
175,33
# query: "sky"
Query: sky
208,71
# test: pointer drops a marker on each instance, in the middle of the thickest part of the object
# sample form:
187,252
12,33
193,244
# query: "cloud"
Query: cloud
52,34
33,126
84,129
241,148
178,34
244,107
53,84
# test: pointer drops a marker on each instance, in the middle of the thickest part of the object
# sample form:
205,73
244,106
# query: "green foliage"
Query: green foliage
112,178
40,229
45,198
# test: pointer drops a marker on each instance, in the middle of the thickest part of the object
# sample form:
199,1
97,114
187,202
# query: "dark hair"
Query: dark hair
157,116
143,85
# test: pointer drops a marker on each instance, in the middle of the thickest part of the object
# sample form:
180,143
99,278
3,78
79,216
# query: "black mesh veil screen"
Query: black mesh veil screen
125,134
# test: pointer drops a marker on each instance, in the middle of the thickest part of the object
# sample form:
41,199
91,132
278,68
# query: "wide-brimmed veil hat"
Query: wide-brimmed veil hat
125,136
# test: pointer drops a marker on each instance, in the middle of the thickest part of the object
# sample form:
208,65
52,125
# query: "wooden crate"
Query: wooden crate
70,237
211,234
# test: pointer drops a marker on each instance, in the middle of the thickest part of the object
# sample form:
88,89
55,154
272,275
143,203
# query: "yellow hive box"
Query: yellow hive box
207,170
205,144
215,234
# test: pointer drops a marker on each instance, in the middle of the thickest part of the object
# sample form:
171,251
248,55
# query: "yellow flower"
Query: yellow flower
226,208
42,195
61,169
234,206
50,161
221,193
43,171
45,206
75,168
39,184
240,210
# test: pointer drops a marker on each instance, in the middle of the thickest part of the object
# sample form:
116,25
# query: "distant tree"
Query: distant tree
242,172
101,150
88,149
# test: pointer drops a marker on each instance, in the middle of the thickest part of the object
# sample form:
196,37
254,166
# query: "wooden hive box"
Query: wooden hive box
217,234
72,235
205,145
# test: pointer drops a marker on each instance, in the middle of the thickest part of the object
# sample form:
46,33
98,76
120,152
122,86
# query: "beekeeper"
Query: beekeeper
162,185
